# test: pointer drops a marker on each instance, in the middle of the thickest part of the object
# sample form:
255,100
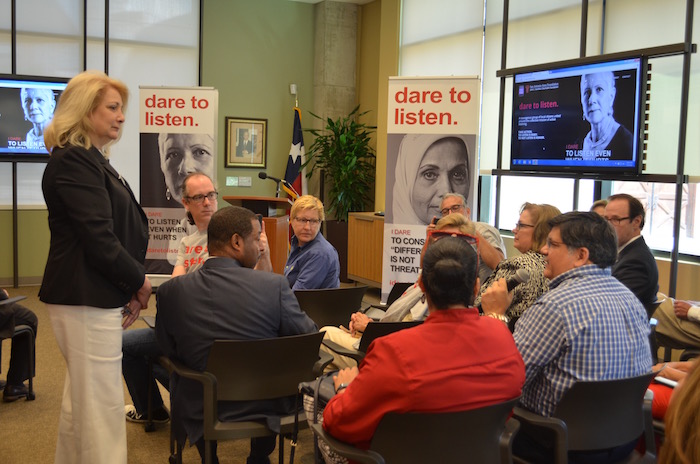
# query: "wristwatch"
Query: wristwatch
501,317
342,386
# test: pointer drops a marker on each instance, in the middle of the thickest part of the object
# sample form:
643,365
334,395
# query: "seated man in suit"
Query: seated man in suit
226,299
635,266
588,326
313,262
12,315
139,345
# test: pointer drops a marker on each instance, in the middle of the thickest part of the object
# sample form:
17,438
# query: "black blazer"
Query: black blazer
99,233
636,269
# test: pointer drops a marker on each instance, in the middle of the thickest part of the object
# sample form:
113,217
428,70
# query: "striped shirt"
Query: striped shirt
587,327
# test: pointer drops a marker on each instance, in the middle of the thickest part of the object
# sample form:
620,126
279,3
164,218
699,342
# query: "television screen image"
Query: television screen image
26,108
583,118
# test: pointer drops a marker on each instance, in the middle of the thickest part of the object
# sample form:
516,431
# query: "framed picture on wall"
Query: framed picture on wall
246,142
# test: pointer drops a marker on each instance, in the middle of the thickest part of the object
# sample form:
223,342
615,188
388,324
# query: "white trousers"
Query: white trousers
343,339
92,427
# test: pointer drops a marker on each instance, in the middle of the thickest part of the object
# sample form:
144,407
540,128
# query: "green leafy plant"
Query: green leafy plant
342,152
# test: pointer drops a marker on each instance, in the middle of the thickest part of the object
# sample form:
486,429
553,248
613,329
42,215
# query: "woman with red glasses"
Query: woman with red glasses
411,306
454,361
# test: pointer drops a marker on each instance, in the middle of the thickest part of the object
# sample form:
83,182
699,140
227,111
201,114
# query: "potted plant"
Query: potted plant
342,154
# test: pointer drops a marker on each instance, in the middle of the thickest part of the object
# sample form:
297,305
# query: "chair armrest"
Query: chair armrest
324,360
375,312
207,380
557,426
346,450
341,350
506,440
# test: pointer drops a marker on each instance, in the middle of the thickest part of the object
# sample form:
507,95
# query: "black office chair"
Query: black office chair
374,330
331,306
598,415
24,331
482,436
271,368
396,291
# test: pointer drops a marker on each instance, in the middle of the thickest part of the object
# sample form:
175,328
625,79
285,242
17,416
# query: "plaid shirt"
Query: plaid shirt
587,327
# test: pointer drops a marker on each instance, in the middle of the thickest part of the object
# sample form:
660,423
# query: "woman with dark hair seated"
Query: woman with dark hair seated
454,361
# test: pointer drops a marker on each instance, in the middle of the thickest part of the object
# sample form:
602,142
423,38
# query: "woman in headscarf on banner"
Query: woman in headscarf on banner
429,166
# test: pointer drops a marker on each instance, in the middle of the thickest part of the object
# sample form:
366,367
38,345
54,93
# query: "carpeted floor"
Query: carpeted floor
28,428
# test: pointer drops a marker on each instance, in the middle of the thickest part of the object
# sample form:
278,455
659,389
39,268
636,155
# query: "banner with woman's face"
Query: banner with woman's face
178,137
431,151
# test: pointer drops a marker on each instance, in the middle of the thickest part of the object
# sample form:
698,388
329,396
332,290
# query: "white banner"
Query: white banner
178,136
431,150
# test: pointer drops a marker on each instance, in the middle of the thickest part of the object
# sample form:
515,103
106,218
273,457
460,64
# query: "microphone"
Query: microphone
521,276
286,186
263,175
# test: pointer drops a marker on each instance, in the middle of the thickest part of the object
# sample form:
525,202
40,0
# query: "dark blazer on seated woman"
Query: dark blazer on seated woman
99,233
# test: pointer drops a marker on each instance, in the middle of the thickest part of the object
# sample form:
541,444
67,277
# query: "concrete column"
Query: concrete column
335,63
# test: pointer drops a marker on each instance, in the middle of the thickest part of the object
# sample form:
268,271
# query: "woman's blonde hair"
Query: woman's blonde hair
305,202
71,121
458,221
682,436
540,214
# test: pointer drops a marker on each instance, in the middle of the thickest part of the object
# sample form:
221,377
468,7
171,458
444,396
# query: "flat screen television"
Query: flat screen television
579,118
27,104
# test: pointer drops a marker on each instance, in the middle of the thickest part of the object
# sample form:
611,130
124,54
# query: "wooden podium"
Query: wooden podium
276,225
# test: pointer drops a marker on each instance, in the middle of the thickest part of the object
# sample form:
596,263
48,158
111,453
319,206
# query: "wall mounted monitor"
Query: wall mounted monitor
579,118
27,105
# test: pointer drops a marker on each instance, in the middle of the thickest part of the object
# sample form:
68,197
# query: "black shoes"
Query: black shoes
160,415
14,392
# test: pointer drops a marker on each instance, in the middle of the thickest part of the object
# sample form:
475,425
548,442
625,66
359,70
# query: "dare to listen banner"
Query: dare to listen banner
178,136
431,150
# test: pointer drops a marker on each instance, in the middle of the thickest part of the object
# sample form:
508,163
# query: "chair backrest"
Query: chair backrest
604,414
396,291
263,369
380,329
447,437
331,306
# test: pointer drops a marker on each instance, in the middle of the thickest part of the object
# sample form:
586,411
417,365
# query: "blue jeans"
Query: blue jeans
138,347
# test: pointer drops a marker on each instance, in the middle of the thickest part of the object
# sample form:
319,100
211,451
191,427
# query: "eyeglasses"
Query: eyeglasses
616,221
211,196
435,235
304,221
451,209
520,225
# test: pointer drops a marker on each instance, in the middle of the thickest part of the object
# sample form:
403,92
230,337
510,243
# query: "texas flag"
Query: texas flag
293,174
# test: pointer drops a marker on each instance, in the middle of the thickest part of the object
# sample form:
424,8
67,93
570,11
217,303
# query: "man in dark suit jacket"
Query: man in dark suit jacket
635,266
225,299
